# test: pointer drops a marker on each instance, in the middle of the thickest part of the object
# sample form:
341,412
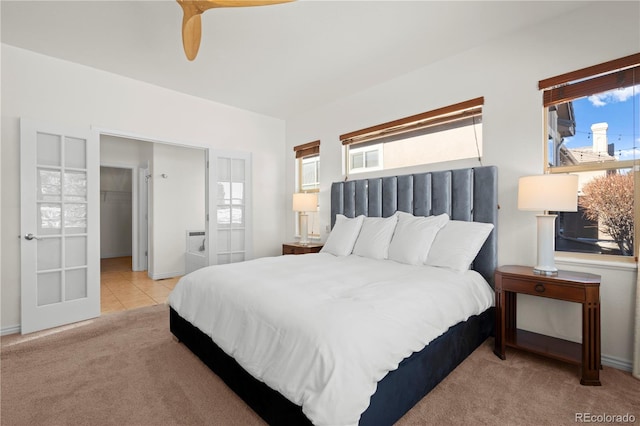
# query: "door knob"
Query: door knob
30,237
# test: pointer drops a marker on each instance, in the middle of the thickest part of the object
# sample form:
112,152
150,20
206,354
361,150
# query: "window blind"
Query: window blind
307,149
616,74
451,113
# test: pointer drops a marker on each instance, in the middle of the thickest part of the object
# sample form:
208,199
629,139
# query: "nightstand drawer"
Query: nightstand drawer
544,289
287,249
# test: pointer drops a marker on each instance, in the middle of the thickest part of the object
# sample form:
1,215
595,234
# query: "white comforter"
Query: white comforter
323,330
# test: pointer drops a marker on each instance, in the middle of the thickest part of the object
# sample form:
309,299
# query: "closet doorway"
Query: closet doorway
116,213
124,281
152,193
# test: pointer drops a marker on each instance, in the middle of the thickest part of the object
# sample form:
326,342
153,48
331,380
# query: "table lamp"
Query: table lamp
304,202
550,192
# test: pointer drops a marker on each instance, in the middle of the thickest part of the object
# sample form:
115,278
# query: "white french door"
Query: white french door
60,225
229,227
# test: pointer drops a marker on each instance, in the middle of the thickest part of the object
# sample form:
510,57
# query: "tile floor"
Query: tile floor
122,289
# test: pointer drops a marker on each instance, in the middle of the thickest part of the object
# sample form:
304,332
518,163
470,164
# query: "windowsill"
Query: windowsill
363,171
620,263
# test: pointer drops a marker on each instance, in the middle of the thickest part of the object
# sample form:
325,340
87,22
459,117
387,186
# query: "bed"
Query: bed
402,376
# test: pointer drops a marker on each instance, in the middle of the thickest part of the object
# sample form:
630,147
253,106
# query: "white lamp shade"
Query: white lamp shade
305,202
552,192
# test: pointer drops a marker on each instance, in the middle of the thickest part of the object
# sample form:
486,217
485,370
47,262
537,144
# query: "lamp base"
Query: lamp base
546,264
545,272
304,229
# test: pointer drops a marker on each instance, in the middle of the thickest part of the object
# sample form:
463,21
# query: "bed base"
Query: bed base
397,392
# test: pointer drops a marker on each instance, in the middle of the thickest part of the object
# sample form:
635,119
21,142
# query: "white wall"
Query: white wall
506,72
124,152
56,91
178,206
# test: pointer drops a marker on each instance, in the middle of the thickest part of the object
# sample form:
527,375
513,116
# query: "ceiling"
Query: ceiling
275,60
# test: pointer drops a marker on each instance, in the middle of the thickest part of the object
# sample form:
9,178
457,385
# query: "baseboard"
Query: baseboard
12,329
112,255
165,275
615,362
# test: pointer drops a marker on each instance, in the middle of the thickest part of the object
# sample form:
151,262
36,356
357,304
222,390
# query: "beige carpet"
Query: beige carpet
127,369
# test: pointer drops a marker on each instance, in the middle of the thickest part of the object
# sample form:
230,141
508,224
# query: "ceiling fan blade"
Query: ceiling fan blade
242,3
192,23
191,28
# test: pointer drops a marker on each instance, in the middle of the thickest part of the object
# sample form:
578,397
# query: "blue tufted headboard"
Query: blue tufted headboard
464,194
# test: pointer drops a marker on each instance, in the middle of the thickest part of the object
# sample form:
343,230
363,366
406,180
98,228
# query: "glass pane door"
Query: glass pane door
230,209
59,227
61,198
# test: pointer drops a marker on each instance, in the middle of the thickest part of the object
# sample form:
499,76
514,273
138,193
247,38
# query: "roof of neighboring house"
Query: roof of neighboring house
573,156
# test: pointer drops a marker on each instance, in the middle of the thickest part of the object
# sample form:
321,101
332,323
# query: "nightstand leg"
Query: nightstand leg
510,304
591,362
505,321
498,348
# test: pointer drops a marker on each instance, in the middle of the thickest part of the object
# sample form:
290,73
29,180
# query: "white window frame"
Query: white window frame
313,216
379,148
315,159
586,74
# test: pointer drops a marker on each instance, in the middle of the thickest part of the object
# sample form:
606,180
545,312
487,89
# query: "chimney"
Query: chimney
599,134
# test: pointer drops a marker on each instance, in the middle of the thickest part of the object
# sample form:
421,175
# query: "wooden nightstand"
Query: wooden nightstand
297,248
568,286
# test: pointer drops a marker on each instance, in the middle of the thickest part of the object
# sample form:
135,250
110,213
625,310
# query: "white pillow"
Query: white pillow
413,237
457,244
343,235
375,236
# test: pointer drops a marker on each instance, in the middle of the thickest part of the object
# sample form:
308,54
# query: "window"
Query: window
365,157
592,131
308,180
310,171
450,133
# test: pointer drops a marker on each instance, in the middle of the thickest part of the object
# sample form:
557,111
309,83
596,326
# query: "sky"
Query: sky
617,108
